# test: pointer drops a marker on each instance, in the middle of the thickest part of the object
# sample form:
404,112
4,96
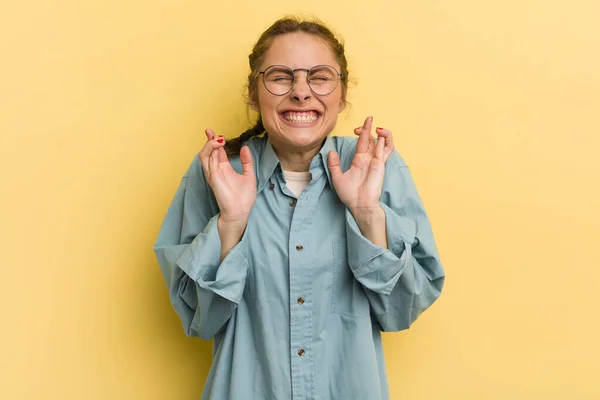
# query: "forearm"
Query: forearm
230,234
372,225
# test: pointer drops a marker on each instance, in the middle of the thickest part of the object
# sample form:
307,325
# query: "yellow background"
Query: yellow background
494,104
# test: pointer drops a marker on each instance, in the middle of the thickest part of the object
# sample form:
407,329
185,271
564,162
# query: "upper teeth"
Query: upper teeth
300,117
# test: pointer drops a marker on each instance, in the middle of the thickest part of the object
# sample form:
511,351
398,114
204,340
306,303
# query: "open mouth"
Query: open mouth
300,117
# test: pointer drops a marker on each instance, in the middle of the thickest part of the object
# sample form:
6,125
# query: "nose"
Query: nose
300,91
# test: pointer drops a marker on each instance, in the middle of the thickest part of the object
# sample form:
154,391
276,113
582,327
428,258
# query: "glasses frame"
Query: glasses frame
339,74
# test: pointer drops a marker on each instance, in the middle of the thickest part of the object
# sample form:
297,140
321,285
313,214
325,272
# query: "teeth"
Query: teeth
300,117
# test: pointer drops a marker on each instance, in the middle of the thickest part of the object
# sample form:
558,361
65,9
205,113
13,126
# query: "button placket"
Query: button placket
300,287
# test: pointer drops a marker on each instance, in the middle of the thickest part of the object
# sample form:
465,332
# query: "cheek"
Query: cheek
263,101
271,120
335,105
335,102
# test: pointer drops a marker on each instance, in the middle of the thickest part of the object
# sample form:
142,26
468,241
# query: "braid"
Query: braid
234,146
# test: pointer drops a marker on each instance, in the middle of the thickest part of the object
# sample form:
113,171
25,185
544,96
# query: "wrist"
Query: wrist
230,234
371,222
231,229
368,215
233,220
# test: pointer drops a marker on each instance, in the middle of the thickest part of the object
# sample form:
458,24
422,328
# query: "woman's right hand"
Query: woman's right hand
235,193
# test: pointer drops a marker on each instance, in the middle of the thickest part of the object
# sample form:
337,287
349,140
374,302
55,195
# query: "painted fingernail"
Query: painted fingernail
379,128
220,140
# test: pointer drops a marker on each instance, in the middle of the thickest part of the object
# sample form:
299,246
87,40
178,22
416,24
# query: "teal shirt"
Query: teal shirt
297,307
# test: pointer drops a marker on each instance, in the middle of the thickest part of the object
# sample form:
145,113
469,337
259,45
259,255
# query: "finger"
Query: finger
372,145
209,134
380,145
213,162
222,155
204,162
357,130
363,140
209,146
205,153
334,164
389,142
247,162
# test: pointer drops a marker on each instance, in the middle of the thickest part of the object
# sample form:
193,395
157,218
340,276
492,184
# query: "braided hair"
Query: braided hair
233,146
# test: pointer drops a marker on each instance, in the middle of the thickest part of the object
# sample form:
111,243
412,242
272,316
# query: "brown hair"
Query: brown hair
281,27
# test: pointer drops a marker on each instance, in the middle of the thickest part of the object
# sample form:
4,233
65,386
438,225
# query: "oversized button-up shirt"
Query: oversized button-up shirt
297,307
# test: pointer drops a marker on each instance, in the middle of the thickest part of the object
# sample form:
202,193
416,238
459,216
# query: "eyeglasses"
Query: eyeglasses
279,79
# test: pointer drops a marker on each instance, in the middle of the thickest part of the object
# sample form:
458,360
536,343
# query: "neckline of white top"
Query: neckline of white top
297,176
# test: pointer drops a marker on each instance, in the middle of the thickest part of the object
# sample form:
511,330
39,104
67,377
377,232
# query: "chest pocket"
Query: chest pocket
347,296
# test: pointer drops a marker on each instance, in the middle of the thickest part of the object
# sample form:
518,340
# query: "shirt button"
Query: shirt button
300,300
272,186
293,202
301,352
299,247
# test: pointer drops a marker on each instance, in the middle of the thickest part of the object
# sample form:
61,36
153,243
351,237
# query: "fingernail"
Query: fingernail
379,128
220,140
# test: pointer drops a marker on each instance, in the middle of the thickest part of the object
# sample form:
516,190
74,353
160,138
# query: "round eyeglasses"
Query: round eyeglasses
279,79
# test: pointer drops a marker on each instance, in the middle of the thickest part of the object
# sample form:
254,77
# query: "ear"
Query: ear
342,105
253,101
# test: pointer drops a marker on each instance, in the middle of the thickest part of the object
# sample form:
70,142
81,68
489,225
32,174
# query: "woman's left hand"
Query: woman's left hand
360,186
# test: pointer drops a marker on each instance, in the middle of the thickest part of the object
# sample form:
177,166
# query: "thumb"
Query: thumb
334,165
247,162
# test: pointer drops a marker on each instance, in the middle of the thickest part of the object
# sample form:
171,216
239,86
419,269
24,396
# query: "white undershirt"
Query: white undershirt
297,181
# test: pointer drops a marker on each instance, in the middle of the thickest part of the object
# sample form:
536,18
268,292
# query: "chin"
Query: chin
297,140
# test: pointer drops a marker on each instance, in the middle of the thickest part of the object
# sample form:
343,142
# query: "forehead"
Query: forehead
299,50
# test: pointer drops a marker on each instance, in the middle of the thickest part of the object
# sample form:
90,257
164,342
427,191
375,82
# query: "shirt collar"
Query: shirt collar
269,162
323,157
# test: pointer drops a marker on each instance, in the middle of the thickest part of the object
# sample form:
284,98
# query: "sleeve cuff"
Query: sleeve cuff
400,232
200,261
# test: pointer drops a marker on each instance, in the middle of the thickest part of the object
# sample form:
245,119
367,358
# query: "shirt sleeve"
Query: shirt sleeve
405,279
204,292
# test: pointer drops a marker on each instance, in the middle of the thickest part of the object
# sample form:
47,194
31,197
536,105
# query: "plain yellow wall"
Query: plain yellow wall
494,104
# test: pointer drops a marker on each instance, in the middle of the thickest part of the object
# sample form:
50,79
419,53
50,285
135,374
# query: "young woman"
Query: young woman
294,249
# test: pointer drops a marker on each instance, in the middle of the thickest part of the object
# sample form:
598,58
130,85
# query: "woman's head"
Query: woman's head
300,118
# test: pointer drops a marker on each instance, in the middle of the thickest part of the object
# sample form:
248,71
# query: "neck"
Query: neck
296,160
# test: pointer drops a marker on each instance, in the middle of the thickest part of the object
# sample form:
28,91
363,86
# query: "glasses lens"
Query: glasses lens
278,79
323,79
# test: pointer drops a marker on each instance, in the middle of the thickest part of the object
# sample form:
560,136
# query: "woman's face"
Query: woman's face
300,120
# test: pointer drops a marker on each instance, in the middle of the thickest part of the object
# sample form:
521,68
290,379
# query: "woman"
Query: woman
294,252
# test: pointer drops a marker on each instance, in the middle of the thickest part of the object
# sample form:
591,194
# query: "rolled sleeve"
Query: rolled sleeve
227,278
379,269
